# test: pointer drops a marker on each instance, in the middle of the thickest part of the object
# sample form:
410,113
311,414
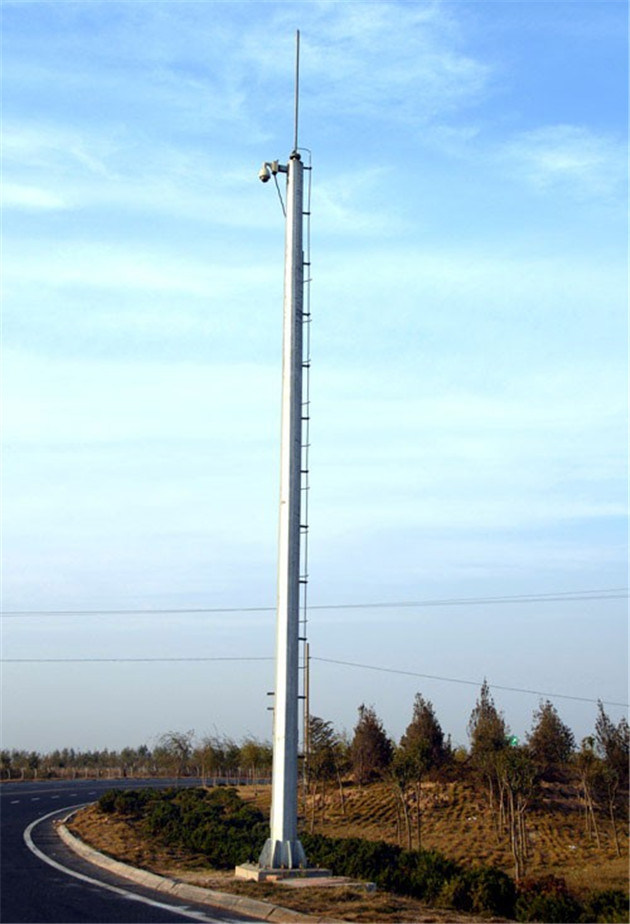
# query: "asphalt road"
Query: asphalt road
44,882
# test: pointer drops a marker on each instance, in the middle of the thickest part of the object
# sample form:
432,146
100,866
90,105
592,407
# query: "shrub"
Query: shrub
127,801
479,890
455,893
548,900
607,907
216,824
491,890
133,801
163,821
428,871
353,856
107,802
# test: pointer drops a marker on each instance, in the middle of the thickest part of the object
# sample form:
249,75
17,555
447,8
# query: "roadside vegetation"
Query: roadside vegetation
524,829
218,828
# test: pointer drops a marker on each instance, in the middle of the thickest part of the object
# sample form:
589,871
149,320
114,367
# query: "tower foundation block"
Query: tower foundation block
257,873
282,855
280,860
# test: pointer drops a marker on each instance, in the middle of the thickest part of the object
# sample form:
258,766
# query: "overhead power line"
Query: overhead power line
613,593
371,667
121,660
473,683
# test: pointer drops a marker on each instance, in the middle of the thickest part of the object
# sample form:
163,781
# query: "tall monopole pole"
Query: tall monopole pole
283,849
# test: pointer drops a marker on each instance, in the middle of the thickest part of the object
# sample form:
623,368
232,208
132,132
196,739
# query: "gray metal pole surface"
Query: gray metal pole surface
283,849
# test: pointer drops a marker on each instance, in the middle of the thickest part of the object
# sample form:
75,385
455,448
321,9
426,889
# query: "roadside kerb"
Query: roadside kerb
240,903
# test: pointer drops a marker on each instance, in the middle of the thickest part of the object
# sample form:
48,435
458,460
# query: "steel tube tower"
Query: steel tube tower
283,849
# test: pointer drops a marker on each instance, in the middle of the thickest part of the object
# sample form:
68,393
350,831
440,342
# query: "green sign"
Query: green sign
513,741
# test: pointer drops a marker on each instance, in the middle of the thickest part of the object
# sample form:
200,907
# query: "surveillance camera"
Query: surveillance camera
264,174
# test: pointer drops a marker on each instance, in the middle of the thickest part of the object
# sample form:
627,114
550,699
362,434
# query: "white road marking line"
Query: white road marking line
14,801
35,799
175,909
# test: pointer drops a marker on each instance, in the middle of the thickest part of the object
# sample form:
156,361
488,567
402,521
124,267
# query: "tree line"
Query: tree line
175,754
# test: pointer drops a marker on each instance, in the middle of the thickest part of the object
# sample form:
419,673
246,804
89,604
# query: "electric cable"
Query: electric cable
613,593
371,667
473,683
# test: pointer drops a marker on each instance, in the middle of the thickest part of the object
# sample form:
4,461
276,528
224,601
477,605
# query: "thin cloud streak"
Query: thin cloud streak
570,157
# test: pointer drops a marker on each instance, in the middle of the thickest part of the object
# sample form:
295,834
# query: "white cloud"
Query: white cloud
569,156
49,146
383,60
181,182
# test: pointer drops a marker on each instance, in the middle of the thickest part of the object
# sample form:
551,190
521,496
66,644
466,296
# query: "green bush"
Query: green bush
478,890
424,874
107,802
455,893
353,856
492,890
427,871
126,801
163,821
548,900
215,823
607,907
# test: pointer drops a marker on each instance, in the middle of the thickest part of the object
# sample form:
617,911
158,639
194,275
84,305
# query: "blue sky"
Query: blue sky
469,379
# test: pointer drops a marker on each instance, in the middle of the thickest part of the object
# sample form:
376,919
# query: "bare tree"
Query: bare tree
610,785
517,773
588,767
321,766
177,748
402,776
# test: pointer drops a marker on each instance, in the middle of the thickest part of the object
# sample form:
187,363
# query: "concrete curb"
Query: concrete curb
249,906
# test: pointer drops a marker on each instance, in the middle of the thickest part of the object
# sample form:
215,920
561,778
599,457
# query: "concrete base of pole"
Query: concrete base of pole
259,873
282,855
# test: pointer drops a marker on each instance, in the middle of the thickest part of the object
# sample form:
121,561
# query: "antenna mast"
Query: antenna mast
297,88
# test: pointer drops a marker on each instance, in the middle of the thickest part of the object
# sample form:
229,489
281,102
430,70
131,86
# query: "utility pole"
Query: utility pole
283,849
283,854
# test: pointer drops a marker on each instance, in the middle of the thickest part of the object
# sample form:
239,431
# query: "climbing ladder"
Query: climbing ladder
304,465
